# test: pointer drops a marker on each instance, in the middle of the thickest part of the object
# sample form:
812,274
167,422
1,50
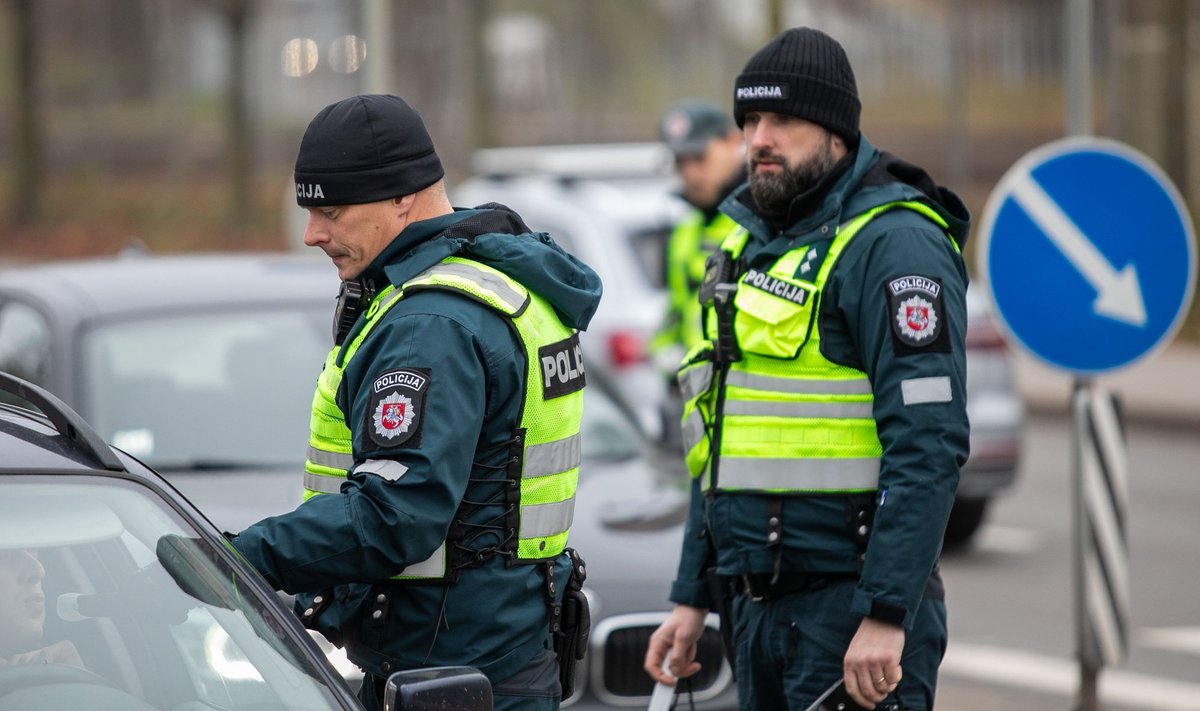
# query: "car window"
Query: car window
96,620
206,390
24,342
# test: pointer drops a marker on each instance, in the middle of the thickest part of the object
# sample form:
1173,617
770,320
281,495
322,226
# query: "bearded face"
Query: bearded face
773,190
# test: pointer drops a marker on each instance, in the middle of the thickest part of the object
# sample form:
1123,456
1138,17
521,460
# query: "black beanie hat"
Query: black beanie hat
802,72
365,149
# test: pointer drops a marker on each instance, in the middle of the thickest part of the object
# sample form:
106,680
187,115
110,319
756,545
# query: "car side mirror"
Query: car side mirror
462,688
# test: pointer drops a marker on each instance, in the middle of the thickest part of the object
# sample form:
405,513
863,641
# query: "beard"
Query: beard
774,192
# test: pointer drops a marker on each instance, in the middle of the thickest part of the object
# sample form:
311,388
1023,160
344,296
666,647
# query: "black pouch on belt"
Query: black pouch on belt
571,639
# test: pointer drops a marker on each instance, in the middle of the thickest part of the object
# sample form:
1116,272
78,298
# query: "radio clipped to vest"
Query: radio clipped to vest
717,291
352,299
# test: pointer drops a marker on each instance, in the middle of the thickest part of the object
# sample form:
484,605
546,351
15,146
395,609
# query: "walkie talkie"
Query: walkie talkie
352,298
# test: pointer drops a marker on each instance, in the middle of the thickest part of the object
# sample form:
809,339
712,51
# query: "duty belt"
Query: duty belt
760,587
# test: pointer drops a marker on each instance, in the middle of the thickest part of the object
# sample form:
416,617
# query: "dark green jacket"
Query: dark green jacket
495,617
924,445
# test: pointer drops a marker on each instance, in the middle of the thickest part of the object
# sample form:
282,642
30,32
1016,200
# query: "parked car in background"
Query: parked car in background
629,513
613,206
129,600
203,367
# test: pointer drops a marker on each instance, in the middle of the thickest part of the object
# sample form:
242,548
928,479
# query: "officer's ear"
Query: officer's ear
403,204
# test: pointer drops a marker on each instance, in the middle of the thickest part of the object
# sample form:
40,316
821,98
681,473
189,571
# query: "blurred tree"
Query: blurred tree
239,142
28,178
1177,23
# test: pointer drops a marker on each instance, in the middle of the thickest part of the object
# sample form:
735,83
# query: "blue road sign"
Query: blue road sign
1089,253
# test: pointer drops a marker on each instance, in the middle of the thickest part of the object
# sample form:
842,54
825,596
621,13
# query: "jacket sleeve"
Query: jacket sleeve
901,297
397,504
691,586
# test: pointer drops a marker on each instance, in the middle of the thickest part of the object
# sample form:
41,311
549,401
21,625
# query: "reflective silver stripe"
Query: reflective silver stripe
553,457
803,386
325,458
323,483
432,567
389,469
773,408
540,520
487,280
799,474
387,300
693,430
695,380
921,390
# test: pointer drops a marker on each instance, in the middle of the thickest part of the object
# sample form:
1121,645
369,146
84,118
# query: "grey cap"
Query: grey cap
688,126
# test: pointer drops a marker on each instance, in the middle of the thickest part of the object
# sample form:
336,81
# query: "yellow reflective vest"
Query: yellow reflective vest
785,419
692,240
546,444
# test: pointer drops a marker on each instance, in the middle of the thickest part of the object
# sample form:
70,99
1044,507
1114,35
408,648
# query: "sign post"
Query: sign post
1089,254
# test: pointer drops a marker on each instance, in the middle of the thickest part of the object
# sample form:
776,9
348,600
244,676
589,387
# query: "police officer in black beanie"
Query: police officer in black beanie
825,421
454,377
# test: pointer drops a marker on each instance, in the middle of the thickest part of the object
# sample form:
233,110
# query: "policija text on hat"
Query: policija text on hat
455,376
825,417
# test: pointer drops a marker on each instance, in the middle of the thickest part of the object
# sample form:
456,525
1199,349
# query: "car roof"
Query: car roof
55,439
119,285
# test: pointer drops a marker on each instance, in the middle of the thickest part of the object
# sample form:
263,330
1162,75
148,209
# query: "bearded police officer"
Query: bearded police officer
444,448
825,418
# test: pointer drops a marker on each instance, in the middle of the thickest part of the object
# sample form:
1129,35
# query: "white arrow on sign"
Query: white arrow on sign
1118,294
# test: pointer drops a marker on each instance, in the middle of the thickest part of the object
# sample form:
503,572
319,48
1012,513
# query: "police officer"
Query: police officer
444,447
825,421
709,160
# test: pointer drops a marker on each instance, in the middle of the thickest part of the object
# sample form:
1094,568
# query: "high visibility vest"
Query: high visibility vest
691,242
789,421
546,444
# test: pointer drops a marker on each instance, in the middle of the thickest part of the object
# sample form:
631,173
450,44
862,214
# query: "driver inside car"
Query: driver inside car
23,613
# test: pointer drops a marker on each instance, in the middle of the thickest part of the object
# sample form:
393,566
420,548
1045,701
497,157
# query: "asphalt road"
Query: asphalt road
1011,596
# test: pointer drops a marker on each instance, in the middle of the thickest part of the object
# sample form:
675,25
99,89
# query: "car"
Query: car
997,416
201,366
128,599
630,509
609,205
152,348
614,205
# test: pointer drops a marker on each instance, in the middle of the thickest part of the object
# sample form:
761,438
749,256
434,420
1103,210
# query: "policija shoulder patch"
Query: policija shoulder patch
916,314
562,368
396,407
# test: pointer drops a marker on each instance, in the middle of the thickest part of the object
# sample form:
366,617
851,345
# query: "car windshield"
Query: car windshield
218,389
110,600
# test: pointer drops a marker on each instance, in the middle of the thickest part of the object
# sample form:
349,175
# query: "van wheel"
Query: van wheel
965,519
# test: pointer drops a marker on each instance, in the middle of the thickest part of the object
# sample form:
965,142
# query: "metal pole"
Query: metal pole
377,67
1078,23
1079,67
1088,671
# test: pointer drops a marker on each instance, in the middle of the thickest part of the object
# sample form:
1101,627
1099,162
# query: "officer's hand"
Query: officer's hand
677,636
872,663
192,568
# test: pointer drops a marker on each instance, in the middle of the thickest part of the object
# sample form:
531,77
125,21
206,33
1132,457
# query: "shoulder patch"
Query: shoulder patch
396,407
916,314
562,368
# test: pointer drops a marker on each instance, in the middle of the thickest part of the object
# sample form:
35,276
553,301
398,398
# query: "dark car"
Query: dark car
203,367
127,599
